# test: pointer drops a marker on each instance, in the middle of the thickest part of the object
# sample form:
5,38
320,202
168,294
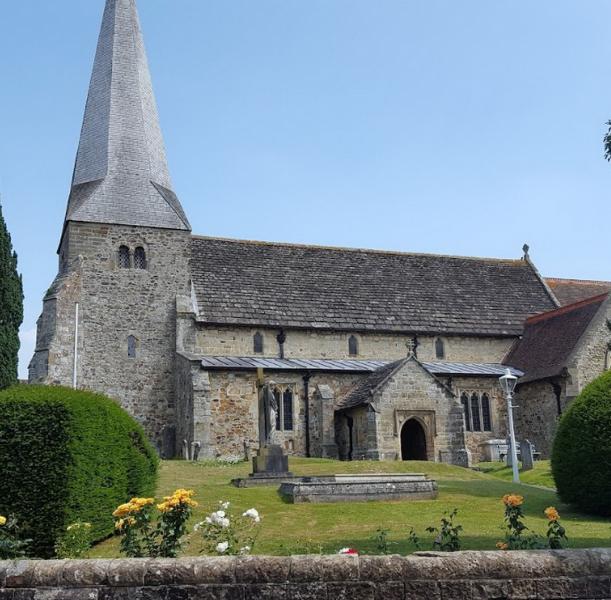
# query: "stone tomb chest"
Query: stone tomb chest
355,488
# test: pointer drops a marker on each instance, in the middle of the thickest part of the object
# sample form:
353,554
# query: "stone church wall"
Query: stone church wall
411,393
536,416
498,412
238,341
116,303
593,354
226,410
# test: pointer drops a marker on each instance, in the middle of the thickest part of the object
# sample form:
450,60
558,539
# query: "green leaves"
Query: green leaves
68,456
11,308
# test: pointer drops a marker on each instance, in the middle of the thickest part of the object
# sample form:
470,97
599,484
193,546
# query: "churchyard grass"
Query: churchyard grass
541,474
303,528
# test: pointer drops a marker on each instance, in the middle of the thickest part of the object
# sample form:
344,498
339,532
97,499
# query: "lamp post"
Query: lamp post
508,384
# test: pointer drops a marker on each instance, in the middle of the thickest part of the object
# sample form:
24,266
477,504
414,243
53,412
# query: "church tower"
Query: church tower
109,318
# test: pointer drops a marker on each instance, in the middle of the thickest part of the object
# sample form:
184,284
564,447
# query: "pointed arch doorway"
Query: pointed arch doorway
413,441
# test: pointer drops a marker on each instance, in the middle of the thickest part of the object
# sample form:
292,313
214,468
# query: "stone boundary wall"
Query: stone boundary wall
578,574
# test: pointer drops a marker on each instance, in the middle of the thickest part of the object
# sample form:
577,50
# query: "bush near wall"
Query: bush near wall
581,456
68,456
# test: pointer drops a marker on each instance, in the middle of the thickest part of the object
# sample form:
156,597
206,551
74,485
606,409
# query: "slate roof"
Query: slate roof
550,338
288,285
569,291
121,174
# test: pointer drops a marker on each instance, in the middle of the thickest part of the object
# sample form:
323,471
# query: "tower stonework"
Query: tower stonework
125,246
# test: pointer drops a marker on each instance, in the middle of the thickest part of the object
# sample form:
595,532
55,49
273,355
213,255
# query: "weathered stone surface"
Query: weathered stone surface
541,575
351,591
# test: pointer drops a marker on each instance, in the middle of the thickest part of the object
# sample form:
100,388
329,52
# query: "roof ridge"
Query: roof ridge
355,249
568,308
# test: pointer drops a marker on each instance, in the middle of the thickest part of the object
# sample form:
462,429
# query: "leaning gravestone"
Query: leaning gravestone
527,450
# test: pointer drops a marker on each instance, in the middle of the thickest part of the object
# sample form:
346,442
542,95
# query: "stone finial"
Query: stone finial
526,249
411,347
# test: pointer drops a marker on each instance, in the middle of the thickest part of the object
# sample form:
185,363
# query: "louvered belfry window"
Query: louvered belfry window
124,258
140,258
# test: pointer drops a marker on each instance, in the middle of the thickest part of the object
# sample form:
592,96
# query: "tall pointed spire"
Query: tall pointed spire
121,174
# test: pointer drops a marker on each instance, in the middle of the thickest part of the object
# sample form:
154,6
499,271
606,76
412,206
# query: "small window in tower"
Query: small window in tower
124,258
487,422
440,350
287,409
464,400
132,344
258,343
140,258
353,346
477,423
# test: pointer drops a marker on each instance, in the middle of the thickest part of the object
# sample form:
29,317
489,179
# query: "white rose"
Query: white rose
252,513
245,550
224,523
222,547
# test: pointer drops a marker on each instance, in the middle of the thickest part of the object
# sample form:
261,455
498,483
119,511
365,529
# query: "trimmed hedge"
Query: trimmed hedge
68,456
581,456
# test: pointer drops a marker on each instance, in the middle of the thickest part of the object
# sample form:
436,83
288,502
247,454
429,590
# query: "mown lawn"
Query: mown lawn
302,528
541,474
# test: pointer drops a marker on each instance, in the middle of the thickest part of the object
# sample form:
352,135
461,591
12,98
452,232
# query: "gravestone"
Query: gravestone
527,451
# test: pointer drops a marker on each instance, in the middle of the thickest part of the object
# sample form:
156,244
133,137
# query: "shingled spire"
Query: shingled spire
121,174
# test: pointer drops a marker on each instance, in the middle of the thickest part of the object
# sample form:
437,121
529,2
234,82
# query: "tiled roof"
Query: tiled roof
288,285
362,393
121,175
550,338
569,291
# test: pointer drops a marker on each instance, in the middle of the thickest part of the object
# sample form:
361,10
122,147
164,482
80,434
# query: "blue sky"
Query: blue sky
431,126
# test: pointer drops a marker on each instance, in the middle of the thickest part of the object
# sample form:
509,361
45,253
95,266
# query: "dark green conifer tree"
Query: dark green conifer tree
11,308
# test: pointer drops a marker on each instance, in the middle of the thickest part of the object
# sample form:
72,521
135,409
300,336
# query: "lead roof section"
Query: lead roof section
549,339
121,174
249,363
293,286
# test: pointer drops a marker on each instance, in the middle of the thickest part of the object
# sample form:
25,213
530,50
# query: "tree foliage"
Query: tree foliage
581,456
68,456
11,308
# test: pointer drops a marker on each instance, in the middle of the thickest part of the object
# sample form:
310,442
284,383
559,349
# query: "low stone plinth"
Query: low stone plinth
361,488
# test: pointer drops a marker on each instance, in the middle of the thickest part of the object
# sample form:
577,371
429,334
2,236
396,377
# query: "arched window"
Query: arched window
258,343
287,409
486,413
124,258
477,423
132,346
353,346
140,258
278,396
440,351
464,400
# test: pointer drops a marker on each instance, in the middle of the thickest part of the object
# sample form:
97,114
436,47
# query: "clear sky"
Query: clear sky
450,127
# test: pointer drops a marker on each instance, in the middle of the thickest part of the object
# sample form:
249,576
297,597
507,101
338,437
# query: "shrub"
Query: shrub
68,456
581,455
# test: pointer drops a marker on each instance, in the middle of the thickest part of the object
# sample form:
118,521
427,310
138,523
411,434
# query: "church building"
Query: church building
369,354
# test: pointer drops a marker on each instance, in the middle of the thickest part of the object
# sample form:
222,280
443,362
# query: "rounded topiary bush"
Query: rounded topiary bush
581,456
68,456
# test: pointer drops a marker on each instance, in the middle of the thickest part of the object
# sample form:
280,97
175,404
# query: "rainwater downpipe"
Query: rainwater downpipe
76,311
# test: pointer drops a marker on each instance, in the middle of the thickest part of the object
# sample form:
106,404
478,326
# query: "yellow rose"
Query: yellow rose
502,545
551,513
123,510
2,521
513,500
